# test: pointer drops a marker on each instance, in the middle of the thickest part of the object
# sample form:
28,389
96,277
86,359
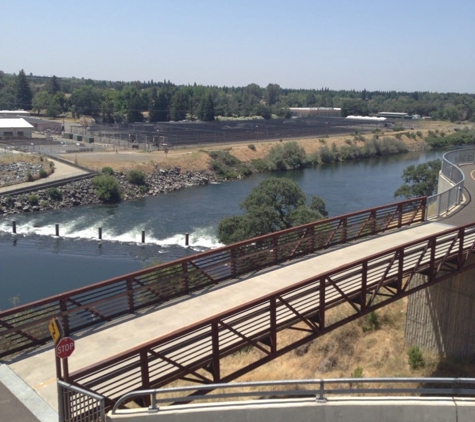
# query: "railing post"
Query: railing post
233,262
321,393
275,247
145,374
63,306
186,279
130,295
216,358
273,325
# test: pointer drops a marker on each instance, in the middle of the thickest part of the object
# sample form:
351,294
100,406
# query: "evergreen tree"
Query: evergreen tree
179,107
52,86
23,94
158,111
133,111
206,108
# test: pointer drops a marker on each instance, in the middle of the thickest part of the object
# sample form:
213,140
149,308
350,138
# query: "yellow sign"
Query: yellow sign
55,330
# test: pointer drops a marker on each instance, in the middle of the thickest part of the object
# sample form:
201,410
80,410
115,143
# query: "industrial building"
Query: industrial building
15,128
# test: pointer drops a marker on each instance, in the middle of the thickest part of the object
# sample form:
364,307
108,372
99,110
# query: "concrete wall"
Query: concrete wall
444,184
374,409
441,318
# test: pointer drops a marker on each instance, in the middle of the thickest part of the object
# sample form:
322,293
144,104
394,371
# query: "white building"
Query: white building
10,114
17,128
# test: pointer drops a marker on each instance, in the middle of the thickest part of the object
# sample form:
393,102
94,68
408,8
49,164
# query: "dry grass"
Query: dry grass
197,158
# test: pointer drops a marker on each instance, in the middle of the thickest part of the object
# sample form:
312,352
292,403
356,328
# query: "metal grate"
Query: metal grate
78,405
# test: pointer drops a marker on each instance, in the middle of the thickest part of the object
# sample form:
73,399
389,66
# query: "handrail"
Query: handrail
443,202
26,326
317,389
386,275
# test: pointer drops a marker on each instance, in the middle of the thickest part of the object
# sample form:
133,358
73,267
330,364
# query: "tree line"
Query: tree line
120,102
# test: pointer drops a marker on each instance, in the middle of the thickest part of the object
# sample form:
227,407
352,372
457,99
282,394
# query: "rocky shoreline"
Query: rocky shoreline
82,192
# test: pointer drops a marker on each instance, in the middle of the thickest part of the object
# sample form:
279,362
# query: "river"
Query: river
35,263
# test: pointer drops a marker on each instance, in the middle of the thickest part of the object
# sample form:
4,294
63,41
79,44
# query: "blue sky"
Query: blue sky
374,45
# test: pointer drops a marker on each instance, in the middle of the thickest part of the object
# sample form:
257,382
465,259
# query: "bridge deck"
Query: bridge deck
38,371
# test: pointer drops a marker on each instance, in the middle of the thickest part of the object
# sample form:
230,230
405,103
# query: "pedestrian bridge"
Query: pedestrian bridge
180,319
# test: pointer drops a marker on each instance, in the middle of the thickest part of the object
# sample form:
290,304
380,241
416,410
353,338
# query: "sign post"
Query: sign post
55,330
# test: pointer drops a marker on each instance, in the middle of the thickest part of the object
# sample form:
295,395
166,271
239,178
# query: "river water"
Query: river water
35,263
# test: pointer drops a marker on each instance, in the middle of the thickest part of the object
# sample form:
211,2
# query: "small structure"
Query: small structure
393,115
17,128
315,111
10,114
42,125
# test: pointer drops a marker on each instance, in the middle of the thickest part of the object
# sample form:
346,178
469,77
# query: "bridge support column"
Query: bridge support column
441,318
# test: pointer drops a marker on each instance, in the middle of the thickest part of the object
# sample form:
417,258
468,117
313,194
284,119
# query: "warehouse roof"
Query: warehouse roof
15,124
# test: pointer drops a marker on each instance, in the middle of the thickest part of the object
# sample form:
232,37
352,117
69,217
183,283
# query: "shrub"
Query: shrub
136,177
43,173
372,322
107,188
44,204
33,199
108,170
252,147
357,373
29,177
416,359
55,194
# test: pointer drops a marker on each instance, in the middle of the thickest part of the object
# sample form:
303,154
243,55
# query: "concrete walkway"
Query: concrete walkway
38,370
61,171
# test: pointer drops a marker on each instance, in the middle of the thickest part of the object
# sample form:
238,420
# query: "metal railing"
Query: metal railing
319,389
26,326
364,285
78,405
443,202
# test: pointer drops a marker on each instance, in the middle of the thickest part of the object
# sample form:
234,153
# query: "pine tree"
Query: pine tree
52,86
23,94
158,111
206,109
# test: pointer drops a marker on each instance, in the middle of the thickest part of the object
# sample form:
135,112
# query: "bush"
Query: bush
108,170
416,360
136,177
107,188
43,173
372,322
252,147
33,199
29,177
55,194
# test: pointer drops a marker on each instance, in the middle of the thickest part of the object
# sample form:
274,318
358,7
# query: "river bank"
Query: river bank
179,169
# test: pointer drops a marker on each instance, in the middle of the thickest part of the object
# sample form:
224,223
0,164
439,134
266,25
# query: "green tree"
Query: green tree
275,204
206,108
133,111
107,188
41,101
420,180
86,100
179,106
272,94
23,94
52,86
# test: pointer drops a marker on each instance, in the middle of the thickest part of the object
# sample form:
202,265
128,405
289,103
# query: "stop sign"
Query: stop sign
65,347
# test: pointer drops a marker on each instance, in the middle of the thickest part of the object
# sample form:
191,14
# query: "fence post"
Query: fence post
14,226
